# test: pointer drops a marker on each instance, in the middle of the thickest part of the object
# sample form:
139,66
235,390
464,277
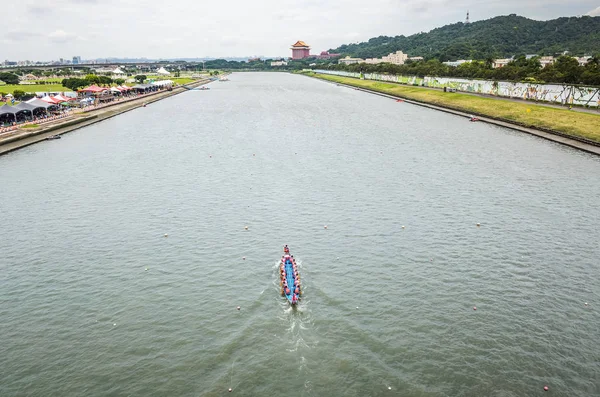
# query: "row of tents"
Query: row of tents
33,106
41,105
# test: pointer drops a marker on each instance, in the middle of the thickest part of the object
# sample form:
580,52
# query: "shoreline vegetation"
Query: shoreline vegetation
564,121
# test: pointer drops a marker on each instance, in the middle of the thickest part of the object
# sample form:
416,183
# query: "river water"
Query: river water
96,301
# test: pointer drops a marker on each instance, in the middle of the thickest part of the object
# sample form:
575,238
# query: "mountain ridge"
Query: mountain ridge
498,37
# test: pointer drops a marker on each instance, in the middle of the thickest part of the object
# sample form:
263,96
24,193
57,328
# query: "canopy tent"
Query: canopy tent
62,98
118,71
7,109
38,103
50,100
142,87
163,83
93,89
163,71
24,106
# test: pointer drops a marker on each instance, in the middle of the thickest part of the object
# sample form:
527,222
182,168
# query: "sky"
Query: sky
49,30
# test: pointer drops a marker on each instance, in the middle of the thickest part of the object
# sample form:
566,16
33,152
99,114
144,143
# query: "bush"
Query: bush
18,94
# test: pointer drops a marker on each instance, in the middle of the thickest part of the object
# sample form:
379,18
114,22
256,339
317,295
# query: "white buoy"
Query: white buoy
389,387
238,308
357,307
325,226
230,390
586,303
478,225
246,227
402,226
114,324
243,258
166,235
146,269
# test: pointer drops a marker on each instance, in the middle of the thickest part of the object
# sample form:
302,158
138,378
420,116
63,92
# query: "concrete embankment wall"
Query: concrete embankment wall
15,142
555,136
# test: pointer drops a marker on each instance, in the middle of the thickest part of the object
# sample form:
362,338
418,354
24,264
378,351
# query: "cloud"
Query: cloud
20,35
594,13
39,10
60,36
129,28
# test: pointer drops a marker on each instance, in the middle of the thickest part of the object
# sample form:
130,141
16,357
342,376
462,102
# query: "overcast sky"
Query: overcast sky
49,30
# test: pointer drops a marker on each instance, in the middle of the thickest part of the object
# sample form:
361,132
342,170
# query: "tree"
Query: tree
18,94
9,78
569,68
105,80
74,84
119,81
92,79
140,78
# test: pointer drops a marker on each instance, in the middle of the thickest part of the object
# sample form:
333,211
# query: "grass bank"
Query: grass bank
578,124
10,88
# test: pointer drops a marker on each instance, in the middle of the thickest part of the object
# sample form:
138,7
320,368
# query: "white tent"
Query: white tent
163,71
163,83
118,71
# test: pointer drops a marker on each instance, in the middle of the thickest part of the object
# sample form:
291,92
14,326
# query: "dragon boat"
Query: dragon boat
289,277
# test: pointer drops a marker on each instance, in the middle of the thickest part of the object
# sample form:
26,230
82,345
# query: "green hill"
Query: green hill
499,37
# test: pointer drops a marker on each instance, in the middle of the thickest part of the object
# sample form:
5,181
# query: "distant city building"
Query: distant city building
300,50
350,61
583,60
498,63
278,63
255,59
327,55
76,60
397,58
28,77
416,59
546,61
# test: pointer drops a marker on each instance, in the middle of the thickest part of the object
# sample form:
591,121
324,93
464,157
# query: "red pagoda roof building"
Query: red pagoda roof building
300,50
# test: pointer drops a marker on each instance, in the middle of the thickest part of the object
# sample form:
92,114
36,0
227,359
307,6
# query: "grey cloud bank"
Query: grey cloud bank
187,28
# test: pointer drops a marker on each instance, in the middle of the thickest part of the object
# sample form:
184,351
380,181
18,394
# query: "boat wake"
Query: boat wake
297,320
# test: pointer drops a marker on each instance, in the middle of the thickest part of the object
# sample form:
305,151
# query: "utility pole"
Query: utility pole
467,20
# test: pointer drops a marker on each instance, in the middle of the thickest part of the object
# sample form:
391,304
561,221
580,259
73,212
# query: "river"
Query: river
378,200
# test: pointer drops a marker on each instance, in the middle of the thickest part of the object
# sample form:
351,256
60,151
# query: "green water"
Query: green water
95,301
